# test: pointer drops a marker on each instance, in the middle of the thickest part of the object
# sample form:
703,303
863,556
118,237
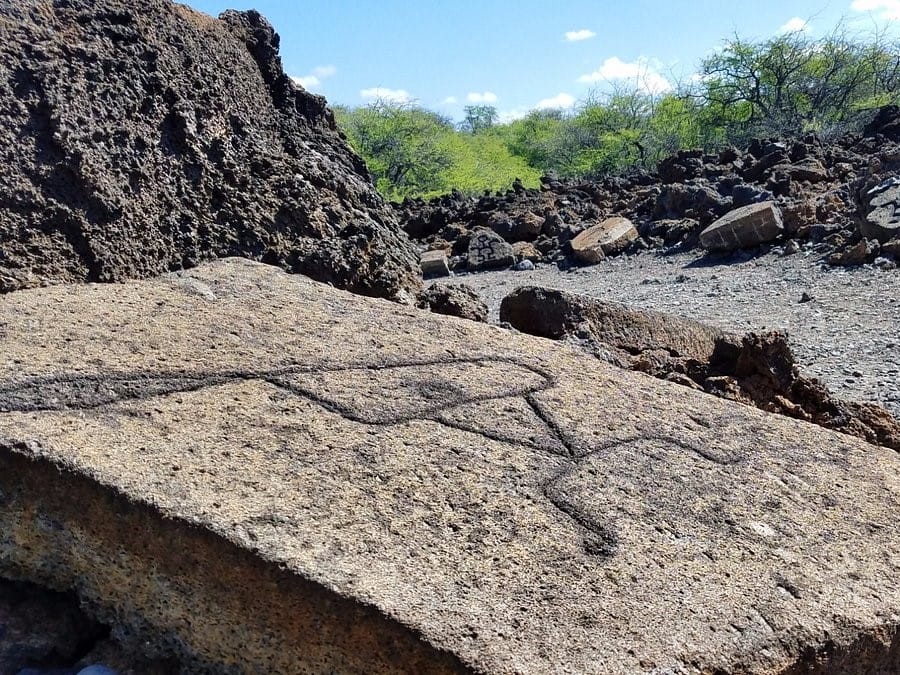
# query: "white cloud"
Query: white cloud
308,82
795,25
324,72
888,10
579,35
559,101
313,80
450,100
641,72
481,97
385,94
506,116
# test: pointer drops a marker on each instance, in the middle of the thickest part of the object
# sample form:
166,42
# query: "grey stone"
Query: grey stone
743,228
524,266
883,220
434,264
488,250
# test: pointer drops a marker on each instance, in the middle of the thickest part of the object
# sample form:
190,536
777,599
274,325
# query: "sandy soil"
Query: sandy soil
848,334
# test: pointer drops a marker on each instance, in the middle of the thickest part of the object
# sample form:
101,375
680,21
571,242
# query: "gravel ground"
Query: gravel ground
848,334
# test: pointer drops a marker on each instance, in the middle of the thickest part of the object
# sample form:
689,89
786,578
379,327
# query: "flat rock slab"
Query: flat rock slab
263,474
743,228
606,238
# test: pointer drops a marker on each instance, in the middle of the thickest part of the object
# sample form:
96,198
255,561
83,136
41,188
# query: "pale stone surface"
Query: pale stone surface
606,238
252,468
744,227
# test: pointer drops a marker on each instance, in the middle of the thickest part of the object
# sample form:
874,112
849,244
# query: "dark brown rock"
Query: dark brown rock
142,137
40,628
756,369
454,300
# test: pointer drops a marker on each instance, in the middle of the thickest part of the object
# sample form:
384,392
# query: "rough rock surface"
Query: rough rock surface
264,454
488,250
754,369
139,137
745,227
841,321
41,628
434,264
454,300
883,221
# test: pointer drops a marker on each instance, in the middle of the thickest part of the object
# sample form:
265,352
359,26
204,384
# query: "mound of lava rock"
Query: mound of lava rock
836,198
140,137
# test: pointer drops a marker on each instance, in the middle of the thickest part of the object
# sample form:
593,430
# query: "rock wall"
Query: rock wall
141,137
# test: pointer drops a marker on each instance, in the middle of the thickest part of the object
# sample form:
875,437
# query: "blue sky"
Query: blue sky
525,54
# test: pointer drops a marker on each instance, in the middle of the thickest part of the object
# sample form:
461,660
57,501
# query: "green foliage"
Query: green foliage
479,118
401,146
413,152
484,162
794,84
786,86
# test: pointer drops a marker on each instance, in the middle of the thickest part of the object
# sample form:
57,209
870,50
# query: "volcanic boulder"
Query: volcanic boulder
140,137
606,238
754,369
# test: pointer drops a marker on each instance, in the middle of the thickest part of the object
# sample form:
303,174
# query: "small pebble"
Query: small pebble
523,266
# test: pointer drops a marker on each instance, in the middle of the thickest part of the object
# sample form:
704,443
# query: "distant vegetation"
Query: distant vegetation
789,85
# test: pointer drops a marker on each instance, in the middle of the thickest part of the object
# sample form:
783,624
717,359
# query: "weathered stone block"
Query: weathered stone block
434,264
883,221
606,238
744,227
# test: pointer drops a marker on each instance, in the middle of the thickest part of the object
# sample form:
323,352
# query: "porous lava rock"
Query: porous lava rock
141,137
454,300
754,369
354,486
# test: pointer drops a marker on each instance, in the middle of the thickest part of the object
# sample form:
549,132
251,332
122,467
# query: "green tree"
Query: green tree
479,118
401,145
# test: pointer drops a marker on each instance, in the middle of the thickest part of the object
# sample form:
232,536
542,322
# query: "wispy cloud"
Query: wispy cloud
506,116
642,73
887,10
579,35
312,81
450,100
795,25
560,101
481,97
385,94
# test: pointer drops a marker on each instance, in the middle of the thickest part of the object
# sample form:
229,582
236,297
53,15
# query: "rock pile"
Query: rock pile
139,137
754,369
839,199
